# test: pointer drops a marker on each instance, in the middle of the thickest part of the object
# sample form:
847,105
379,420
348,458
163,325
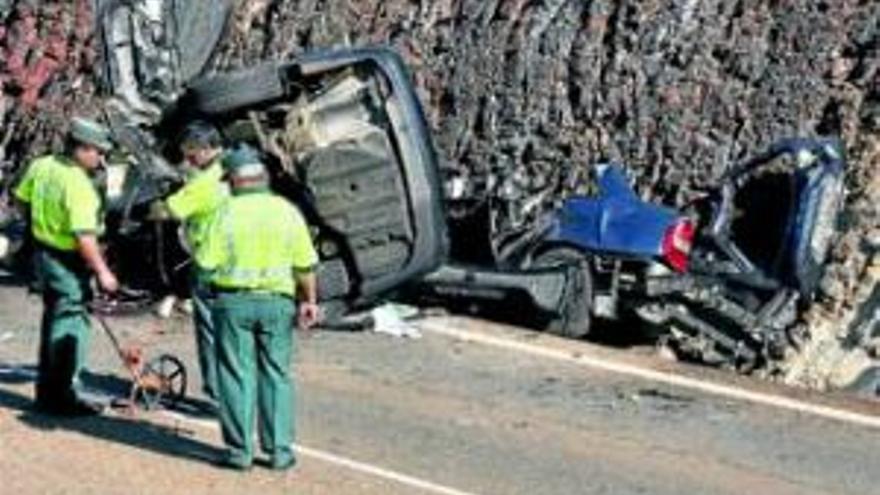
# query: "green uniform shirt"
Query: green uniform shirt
255,242
63,201
197,200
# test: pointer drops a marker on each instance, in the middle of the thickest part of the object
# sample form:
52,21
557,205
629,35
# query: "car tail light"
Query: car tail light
677,244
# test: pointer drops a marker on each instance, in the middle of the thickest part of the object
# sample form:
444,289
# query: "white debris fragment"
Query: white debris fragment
391,319
186,306
166,307
4,246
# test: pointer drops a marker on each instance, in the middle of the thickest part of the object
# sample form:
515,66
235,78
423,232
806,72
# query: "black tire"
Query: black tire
200,26
234,90
575,318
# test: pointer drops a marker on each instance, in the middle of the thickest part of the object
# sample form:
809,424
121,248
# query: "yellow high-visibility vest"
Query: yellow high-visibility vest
197,200
63,201
255,242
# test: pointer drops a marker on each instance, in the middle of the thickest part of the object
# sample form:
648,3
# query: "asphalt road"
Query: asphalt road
385,415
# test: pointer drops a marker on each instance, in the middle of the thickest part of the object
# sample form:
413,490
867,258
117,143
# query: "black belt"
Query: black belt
246,292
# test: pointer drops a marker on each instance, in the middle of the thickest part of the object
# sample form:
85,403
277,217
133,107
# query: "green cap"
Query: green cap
243,162
90,132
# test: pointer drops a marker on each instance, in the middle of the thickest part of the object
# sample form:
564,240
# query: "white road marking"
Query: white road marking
345,462
668,378
378,471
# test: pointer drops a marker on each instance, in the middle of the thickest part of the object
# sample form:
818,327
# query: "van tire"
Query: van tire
234,90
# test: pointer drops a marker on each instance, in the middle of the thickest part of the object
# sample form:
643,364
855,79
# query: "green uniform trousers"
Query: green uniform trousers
203,323
64,332
254,346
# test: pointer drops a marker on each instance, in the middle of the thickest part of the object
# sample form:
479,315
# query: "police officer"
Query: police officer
261,257
193,205
64,210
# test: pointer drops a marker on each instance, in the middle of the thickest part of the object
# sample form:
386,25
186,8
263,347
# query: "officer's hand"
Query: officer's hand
309,314
158,211
107,281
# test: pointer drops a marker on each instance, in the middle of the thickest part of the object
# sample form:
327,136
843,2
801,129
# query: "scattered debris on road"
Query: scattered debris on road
392,319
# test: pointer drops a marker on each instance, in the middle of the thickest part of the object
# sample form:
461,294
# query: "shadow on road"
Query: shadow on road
132,432
17,374
9,279
102,385
105,387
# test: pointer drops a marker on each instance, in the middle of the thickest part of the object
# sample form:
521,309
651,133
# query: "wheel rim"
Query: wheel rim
166,381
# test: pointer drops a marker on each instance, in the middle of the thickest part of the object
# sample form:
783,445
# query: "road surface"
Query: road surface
470,408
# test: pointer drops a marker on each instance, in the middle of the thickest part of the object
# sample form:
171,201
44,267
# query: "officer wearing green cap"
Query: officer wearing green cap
194,204
64,212
261,258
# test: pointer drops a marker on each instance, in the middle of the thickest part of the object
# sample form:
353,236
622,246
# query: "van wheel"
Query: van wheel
233,90
575,318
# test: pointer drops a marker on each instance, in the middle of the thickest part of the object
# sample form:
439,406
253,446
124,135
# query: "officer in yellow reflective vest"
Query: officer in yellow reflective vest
64,209
260,257
193,205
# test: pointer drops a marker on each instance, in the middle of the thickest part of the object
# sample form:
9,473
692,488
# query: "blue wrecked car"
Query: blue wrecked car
722,277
